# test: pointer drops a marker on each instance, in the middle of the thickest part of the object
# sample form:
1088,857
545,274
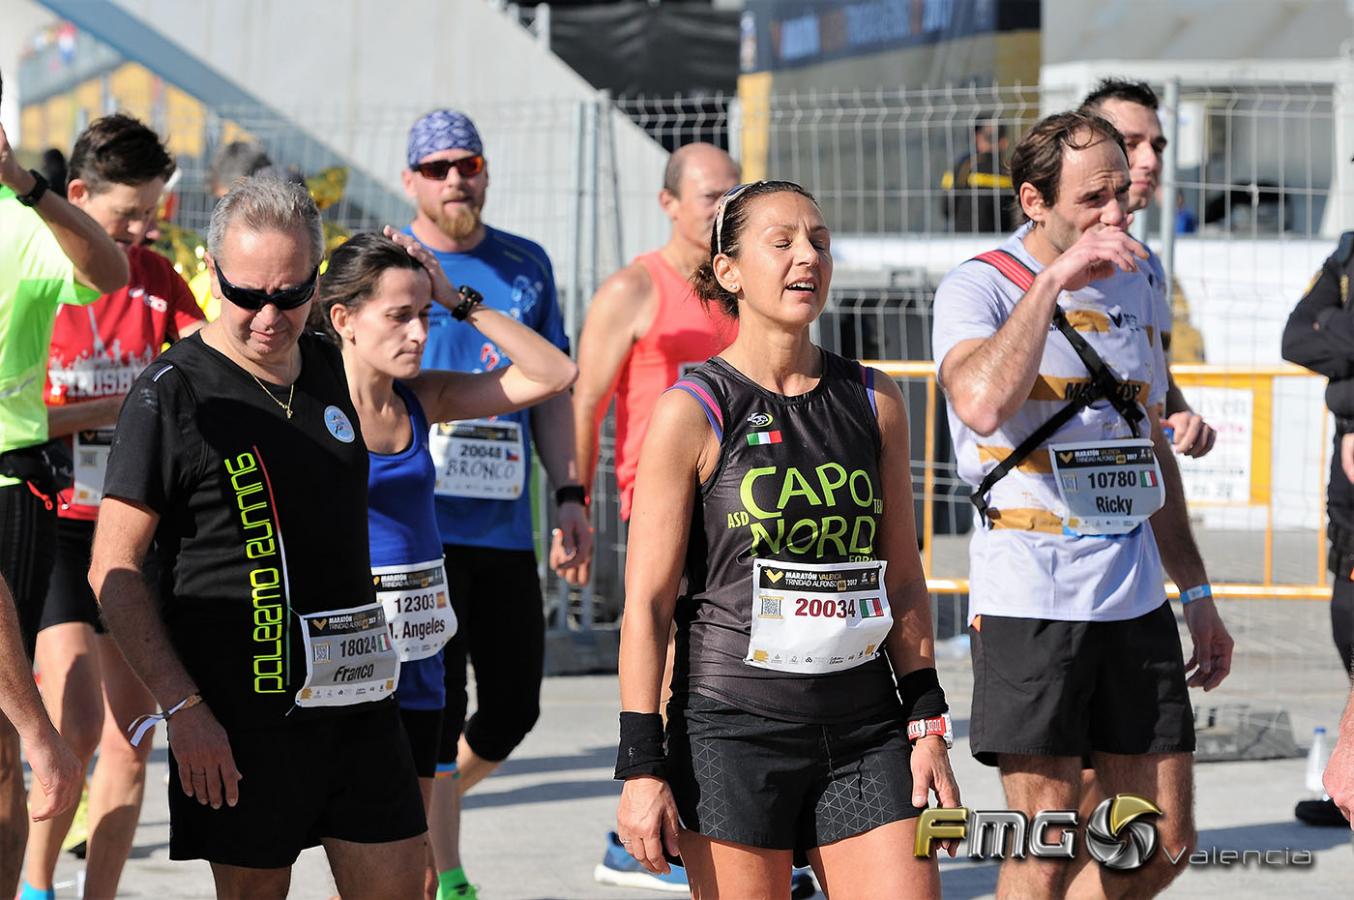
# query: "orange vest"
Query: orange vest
682,334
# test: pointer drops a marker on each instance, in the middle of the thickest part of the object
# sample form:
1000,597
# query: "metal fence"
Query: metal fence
1255,162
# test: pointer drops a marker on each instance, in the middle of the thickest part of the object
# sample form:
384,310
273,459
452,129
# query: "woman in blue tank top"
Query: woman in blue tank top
772,523
374,300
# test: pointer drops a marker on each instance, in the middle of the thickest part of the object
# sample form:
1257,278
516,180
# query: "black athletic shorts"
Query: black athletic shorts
423,728
501,629
1052,688
350,777
69,596
741,777
27,535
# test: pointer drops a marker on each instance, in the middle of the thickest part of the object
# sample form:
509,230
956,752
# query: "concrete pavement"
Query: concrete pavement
536,829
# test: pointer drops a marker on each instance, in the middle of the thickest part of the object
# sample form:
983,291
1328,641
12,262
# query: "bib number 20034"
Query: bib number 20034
817,618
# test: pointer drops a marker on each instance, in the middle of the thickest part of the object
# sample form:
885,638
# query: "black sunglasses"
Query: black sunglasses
437,170
249,298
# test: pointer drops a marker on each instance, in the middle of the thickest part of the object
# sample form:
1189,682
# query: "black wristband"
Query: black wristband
36,191
922,695
470,298
571,493
641,748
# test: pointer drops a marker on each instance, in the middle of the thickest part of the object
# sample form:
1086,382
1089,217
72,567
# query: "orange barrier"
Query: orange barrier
1255,381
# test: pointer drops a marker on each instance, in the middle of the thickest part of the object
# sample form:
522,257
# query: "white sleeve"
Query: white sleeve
1156,394
968,306
1161,294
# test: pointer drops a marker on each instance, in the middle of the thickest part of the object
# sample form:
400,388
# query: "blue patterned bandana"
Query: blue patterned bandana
443,129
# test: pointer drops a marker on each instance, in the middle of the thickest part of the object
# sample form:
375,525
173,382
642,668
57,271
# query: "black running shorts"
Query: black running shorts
27,533
741,777
350,777
1052,688
499,608
423,729
69,596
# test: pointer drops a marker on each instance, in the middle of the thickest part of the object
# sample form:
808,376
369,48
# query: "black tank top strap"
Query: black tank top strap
704,392
866,375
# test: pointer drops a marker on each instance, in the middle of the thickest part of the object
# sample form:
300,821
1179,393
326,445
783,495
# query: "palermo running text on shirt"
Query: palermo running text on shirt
262,521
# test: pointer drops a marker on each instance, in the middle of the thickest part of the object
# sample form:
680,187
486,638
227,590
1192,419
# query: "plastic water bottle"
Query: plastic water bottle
1317,757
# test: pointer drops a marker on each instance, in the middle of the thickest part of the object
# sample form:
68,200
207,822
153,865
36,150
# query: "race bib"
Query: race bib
1107,487
417,607
349,657
479,458
812,619
91,462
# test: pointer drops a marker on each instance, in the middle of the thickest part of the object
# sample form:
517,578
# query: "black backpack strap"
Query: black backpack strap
1045,431
1107,385
1104,383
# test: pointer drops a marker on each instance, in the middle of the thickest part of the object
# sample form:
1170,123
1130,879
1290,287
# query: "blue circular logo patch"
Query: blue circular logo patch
337,423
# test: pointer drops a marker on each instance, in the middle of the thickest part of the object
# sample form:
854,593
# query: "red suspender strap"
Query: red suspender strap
1008,265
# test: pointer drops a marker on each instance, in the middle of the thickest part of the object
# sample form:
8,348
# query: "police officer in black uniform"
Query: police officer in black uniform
1320,336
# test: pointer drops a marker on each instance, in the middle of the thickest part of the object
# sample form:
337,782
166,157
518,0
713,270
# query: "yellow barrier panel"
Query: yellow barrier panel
1256,382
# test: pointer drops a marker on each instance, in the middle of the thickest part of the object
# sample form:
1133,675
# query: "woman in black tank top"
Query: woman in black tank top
774,493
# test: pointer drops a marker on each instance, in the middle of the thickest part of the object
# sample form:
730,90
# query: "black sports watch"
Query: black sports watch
39,188
470,298
571,493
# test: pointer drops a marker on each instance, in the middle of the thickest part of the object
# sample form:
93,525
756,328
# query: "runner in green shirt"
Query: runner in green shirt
51,253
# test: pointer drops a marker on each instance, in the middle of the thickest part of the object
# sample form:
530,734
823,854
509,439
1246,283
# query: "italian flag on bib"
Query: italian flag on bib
763,437
871,608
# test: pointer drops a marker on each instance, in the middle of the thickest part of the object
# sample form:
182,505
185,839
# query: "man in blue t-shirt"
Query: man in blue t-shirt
483,466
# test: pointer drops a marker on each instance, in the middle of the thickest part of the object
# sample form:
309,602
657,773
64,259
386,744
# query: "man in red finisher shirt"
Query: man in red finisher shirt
645,324
118,171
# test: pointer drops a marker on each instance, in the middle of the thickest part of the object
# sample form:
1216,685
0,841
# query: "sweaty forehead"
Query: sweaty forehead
1102,161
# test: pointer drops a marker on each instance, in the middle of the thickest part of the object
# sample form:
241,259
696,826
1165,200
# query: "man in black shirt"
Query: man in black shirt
1320,336
239,453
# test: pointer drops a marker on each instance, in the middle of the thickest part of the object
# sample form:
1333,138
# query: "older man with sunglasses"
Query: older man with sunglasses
238,451
484,511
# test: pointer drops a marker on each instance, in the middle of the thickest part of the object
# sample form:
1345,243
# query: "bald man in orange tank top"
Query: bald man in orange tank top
645,324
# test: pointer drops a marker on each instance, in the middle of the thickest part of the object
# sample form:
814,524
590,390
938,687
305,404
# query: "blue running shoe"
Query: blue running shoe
621,869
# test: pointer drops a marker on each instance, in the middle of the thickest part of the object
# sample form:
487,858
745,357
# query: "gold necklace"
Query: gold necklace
286,407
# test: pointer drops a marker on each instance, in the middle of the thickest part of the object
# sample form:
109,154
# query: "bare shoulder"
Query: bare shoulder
680,412
628,291
680,430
